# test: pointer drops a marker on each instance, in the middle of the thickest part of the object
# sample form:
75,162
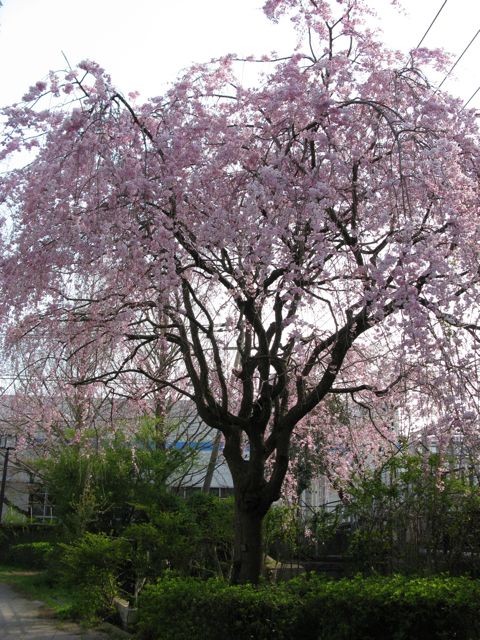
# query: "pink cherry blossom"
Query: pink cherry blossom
322,225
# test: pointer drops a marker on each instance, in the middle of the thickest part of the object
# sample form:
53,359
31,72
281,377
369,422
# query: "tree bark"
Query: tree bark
254,495
212,463
248,547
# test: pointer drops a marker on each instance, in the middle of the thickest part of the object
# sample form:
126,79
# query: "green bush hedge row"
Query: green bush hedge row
31,555
312,608
15,534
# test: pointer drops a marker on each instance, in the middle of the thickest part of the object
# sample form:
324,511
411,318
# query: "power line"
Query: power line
471,97
431,24
458,59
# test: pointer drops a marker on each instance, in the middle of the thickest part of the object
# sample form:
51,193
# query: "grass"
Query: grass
34,585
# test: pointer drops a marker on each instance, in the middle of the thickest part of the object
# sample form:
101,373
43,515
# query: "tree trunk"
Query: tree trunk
212,463
254,495
248,548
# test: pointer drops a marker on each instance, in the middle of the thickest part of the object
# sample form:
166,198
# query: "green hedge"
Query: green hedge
312,608
186,608
397,607
15,534
31,555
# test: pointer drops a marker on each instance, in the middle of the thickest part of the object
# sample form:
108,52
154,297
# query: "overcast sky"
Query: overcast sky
143,44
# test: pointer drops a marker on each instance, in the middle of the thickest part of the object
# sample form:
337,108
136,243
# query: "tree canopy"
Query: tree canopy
323,224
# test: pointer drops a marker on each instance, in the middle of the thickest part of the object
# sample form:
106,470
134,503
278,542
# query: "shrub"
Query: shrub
182,608
397,607
283,530
31,555
416,514
313,608
214,525
105,490
11,535
93,565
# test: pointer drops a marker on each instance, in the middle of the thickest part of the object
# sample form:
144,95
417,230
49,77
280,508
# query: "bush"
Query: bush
214,525
105,490
416,514
93,565
283,530
185,608
31,555
12,535
396,607
313,608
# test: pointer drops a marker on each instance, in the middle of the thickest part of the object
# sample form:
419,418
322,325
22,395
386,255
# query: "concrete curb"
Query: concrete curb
113,631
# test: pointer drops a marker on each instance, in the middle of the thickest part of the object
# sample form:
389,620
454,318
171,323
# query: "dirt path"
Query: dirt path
22,619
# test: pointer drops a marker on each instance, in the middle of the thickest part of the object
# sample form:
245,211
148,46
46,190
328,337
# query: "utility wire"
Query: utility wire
458,59
471,97
431,24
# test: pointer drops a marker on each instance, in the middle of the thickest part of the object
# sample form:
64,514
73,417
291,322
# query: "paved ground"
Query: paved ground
22,619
